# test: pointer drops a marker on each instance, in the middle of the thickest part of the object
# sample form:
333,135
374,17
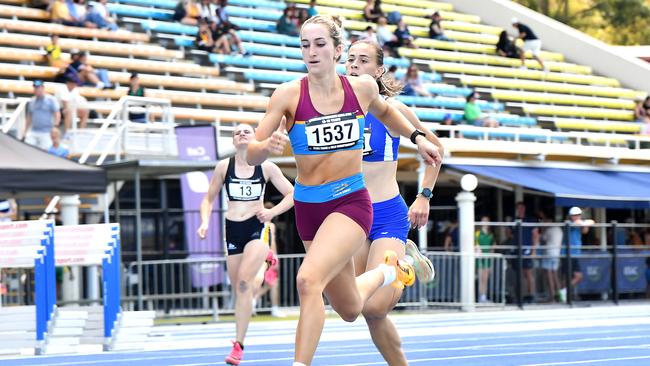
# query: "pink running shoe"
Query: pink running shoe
271,273
236,354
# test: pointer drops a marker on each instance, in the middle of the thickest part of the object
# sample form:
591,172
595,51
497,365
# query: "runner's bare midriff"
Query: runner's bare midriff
315,170
381,181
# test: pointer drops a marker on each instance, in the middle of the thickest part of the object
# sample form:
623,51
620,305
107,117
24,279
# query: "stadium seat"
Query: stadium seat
51,28
453,67
140,12
540,109
9,11
477,48
422,4
556,87
210,99
553,98
597,125
445,103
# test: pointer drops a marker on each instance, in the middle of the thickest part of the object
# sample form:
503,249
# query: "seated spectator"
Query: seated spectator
413,85
391,72
207,10
369,35
447,120
43,113
220,37
204,41
79,10
302,15
187,12
285,25
228,27
386,39
71,103
435,29
311,11
100,16
404,37
57,148
642,110
136,90
506,47
53,55
372,11
81,72
60,13
473,114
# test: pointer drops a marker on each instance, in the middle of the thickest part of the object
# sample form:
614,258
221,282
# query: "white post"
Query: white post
466,201
70,289
422,232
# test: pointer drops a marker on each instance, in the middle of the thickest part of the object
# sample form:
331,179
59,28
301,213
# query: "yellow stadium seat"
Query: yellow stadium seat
425,53
454,67
554,98
537,109
421,4
110,48
34,72
596,125
26,87
477,48
601,91
50,28
23,12
180,82
220,100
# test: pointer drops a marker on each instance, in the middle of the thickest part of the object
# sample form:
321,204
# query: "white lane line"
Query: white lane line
590,361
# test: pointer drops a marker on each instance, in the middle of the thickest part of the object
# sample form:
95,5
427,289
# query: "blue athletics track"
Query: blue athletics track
599,335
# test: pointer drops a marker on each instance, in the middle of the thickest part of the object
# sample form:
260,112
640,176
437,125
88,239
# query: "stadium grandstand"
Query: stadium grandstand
144,95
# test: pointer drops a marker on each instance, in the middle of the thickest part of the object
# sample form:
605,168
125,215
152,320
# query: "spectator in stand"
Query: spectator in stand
552,243
447,120
207,10
71,103
204,41
136,90
404,38
8,209
530,241
413,85
100,16
285,25
391,72
229,28
484,241
387,40
580,227
372,11
303,15
79,10
452,242
642,110
220,37
43,113
506,47
81,71
473,114
57,148
60,13
435,29
369,35
187,12
311,11
53,55
531,43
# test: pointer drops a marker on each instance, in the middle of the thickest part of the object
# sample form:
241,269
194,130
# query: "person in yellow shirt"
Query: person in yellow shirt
54,53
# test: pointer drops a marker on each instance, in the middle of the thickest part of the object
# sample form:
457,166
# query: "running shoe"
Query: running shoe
422,265
236,354
405,272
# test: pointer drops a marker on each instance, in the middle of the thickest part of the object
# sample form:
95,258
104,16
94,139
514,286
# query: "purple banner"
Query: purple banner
199,143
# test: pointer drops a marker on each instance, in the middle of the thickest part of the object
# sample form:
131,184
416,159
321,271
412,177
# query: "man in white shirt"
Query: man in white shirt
72,103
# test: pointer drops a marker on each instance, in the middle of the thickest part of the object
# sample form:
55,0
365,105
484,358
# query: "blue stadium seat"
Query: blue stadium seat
169,27
445,103
280,5
256,62
426,76
261,14
449,90
163,4
511,136
258,25
516,121
269,38
139,12
270,77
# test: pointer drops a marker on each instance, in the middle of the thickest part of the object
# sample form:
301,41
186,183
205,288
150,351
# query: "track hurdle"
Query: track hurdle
30,244
88,245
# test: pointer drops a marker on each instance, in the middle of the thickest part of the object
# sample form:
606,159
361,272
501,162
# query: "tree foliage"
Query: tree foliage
619,22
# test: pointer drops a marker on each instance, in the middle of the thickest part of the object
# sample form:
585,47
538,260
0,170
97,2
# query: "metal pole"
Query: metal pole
520,264
466,201
569,269
165,218
138,236
614,275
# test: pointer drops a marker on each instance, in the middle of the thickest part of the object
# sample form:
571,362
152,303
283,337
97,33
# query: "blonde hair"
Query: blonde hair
388,86
334,24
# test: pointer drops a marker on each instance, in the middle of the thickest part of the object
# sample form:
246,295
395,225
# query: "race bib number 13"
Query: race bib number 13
332,132
245,191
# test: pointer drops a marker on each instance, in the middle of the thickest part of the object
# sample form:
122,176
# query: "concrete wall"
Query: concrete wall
576,46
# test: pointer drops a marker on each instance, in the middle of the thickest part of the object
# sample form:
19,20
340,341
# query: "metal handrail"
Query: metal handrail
16,116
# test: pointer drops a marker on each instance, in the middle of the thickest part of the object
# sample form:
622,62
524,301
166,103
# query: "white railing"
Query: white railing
17,116
119,117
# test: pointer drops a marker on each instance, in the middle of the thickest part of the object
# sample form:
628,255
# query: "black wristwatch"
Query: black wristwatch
415,135
426,193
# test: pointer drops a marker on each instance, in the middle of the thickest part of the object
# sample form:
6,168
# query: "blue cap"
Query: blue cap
446,116
38,83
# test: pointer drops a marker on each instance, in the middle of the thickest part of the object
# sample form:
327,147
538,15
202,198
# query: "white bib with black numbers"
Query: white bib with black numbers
332,132
367,150
244,190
